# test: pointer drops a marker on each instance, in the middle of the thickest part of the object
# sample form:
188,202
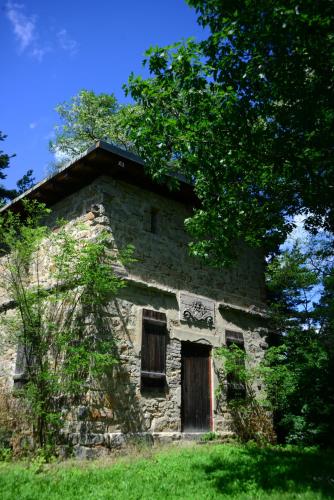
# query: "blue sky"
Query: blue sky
51,50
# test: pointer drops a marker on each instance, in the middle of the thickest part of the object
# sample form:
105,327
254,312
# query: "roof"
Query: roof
100,159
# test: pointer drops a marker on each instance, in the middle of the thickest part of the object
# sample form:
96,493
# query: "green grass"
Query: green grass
196,472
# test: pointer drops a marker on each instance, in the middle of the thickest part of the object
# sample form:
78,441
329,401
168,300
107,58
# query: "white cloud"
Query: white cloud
33,125
66,42
60,156
39,52
24,26
50,135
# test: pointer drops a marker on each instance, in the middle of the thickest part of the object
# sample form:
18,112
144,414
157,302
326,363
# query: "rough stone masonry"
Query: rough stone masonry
173,308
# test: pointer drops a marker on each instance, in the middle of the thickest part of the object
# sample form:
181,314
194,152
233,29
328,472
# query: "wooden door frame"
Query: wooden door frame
210,384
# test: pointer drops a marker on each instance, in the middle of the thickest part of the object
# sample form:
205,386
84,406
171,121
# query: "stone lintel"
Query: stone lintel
250,310
149,286
191,336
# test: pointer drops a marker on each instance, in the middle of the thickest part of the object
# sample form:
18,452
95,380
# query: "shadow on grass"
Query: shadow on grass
272,470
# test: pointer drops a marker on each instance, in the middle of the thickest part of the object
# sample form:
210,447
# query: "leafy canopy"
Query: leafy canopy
298,370
247,115
87,118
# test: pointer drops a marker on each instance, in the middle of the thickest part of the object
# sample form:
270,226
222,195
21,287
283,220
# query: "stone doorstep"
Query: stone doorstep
114,440
117,442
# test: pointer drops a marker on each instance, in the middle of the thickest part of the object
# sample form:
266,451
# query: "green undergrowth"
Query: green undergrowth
207,471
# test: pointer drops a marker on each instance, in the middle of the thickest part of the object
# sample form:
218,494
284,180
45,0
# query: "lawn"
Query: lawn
196,472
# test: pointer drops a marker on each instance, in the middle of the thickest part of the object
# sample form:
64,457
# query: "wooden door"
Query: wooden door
196,400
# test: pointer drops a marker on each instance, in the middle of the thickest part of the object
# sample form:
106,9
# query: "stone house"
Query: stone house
172,314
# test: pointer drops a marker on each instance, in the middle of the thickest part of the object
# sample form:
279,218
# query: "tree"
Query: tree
61,286
4,163
277,59
298,370
26,182
298,367
22,184
251,420
87,118
247,115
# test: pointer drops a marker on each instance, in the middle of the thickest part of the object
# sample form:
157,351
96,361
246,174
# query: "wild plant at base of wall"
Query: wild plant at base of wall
61,286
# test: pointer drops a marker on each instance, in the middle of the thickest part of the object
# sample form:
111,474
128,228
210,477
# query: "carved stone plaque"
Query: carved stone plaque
196,309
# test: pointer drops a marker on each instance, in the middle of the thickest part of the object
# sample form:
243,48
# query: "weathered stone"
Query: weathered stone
116,440
197,309
164,278
85,453
82,412
92,439
90,216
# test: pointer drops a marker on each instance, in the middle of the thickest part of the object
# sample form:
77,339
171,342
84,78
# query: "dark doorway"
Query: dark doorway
196,382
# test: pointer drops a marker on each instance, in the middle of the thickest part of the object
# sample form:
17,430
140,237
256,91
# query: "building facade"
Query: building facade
169,318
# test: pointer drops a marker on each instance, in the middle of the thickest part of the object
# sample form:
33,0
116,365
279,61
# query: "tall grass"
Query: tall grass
196,472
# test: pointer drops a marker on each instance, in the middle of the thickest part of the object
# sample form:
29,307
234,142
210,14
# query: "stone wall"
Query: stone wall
163,277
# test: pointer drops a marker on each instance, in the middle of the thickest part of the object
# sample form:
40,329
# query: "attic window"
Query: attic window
154,220
153,351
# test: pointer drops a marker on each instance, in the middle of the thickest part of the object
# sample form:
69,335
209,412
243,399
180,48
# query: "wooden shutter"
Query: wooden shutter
23,358
234,338
236,388
153,352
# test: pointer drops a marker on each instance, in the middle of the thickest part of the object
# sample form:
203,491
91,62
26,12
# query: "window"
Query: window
23,359
236,388
154,220
153,351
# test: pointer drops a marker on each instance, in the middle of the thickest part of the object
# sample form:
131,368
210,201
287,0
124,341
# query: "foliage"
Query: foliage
11,416
4,163
209,436
251,420
213,471
87,118
5,454
22,184
26,182
247,116
61,285
299,367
